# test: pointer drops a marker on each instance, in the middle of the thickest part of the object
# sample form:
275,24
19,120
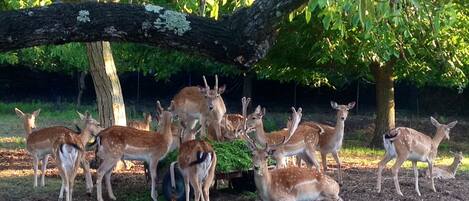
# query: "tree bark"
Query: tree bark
385,105
109,98
242,38
81,86
247,84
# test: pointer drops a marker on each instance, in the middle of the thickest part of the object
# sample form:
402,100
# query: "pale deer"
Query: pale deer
291,183
446,172
118,142
303,143
331,138
29,120
142,125
202,103
405,143
69,152
197,161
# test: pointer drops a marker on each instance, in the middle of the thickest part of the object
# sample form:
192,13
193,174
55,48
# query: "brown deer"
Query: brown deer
405,143
291,183
331,138
142,125
197,161
118,142
29,120
69,152
446,172
303,143
229,127
202,103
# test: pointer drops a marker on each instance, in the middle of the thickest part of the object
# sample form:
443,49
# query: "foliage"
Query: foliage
232,156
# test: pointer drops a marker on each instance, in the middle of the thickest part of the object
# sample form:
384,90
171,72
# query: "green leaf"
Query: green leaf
326,21
307,16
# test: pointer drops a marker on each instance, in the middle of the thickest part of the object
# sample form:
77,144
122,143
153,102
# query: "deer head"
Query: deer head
342,110
442,128
213,97
29,120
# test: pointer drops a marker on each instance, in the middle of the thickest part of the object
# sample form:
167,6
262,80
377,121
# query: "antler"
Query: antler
216,83
296,118
205,82
159,108
251,143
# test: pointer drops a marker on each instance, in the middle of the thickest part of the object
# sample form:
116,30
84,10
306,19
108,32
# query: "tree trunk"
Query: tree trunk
81,86
385,119
242,38
109,99
247,84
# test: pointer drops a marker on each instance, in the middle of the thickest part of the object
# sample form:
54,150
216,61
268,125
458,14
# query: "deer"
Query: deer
142,125
446,172
405,143
290,183
197,161
118,142
29,120
303,143
229,127
39,143
331,138
68,151
202,103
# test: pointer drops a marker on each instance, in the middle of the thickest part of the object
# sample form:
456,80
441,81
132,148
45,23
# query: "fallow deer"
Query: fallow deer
446,172
331,138
229,127
291,183
197,161
118,142
405,143
69,152
202,103
303,143
29,120
142,125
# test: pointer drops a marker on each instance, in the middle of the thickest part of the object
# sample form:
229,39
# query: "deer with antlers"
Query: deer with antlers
142,125
405,143
203,103
331,138
291,183
302,144
40,143
118,142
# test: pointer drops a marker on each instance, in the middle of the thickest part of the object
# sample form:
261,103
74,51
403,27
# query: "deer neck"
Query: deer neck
454,166
339,129
437,140
85,136
27,128
263,182
261,137
167,133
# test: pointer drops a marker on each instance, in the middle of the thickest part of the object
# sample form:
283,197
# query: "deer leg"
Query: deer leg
430,168
43,169
35,167
395,171
218,131
106,165
86,170
107,178
381,166
416,174
339,165
324,162
311,154
153,166
62,187
187,188
298,161
194,179
203,124
67,185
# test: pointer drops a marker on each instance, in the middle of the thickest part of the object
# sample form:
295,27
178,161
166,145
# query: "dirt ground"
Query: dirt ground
359,184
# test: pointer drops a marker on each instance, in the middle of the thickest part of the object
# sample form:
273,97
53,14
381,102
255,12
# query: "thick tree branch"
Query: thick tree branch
241,39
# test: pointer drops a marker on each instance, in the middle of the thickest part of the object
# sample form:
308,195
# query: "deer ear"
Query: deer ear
88,115
36,113
334,105
258,109
263,111
435,122
351,105
452,124
19,112
221,89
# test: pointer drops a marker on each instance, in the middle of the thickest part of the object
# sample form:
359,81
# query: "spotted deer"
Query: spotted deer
142,125
291,183
29,120
303,143
405,143
446,172
331,138
197,161
40,143
229,127
203,104
117,142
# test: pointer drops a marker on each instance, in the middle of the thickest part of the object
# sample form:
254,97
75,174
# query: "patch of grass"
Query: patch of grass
12,142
